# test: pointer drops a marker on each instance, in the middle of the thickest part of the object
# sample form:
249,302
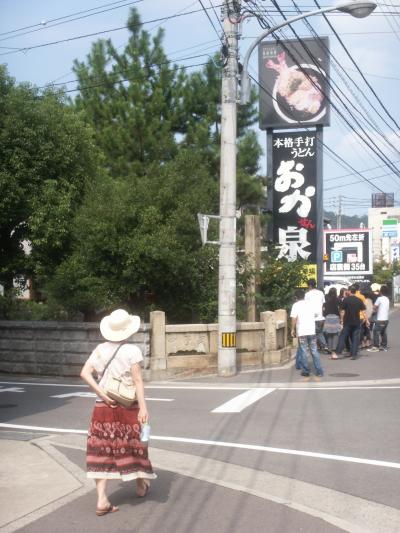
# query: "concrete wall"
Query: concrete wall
61,348
194,347
53,348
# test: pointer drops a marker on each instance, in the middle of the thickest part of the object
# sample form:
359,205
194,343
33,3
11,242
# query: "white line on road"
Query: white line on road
277,386
254,447
238,403
93,395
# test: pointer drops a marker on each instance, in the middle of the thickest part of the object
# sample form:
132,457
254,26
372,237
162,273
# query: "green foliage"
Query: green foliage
348,221
278,280
126,235
47,156
12,308
385,272
140,236
133,100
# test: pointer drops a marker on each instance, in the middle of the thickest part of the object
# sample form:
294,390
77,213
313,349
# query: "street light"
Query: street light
227,233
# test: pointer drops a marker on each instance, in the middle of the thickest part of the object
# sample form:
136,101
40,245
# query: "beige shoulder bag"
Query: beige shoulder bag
118,391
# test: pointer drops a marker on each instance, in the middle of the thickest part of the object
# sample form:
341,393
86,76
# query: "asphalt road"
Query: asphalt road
343,438
262,451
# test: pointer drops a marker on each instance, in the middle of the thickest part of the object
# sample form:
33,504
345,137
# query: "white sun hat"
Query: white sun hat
119,325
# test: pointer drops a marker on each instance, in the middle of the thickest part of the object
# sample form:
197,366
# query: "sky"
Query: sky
373,43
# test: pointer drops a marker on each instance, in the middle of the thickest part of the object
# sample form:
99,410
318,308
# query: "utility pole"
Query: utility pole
339,213
227,230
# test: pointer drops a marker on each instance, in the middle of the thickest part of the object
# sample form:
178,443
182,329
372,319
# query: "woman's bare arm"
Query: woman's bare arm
87,376
138,380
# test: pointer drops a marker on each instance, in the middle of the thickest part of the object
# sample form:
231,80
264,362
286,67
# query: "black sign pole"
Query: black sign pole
320,208
270,190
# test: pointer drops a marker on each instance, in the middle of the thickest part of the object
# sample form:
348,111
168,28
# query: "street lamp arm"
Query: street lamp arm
357,9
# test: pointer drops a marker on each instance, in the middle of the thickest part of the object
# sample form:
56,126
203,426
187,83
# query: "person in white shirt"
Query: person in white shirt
317,299
381,308
114,449
303,326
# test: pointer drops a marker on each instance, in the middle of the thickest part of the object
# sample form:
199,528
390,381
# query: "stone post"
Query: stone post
252,249
281,316
158,356
270,344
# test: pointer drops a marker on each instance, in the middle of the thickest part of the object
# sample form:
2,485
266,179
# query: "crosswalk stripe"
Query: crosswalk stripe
240,402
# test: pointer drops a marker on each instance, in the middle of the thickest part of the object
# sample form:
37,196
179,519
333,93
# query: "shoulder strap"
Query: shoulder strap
112,357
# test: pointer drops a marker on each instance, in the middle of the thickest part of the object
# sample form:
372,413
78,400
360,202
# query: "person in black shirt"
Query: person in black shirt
350,318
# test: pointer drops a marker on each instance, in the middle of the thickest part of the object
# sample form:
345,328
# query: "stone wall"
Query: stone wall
61,348
184,348
54,348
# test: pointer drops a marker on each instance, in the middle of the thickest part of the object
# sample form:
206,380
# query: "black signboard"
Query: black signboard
293,79
349,252
294,168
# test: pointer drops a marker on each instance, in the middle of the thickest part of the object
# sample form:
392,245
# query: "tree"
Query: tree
47,155
385,272
159,129
144,109
278,279
138,239
133,100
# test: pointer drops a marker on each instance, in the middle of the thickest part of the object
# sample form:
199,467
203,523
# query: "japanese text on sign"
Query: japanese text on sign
294,210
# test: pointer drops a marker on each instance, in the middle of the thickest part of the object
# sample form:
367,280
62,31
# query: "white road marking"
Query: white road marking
75,394
39,428
238,403
11,389
93,395
254,447
219,387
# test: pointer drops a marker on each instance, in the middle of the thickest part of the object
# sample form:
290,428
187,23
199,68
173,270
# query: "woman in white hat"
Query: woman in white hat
114,450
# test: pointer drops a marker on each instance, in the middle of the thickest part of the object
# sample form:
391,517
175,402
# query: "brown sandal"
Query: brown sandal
109,509
146,489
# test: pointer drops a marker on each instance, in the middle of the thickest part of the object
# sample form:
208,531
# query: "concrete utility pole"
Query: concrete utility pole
227,231
339,213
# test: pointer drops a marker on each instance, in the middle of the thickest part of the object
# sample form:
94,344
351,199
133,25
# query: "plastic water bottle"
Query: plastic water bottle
145,432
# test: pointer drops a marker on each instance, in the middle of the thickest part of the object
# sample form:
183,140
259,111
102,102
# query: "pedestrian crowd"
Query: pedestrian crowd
338,325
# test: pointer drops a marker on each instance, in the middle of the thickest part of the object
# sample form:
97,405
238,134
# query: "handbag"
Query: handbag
121,393
118,391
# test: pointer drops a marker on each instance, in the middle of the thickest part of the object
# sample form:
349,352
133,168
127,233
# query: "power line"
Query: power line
210,19
150,30
341,186
372,146
338,68
25,49
44,27
357,67
63,17
216,15
88,87
108,82
365,137
333,154
365,170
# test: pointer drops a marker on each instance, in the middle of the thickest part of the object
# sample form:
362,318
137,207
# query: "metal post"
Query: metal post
270,190
320,210
227,233
339,213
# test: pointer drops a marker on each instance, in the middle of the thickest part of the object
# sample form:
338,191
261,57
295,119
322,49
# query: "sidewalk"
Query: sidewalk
191,494
369,368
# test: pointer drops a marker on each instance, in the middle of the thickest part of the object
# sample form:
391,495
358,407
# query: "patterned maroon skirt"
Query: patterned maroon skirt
114,450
